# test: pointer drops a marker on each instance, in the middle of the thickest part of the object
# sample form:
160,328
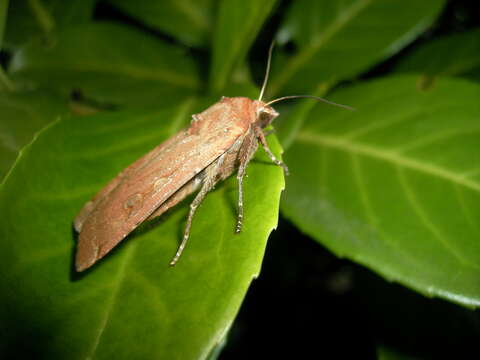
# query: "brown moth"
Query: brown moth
220,140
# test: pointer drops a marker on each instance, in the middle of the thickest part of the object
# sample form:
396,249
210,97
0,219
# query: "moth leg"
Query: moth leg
247,150
209,181
261,136
240,175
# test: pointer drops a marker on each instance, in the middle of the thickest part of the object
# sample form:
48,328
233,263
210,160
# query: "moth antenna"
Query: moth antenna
309,97
267,71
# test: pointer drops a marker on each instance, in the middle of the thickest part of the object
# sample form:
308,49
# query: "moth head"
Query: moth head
264,114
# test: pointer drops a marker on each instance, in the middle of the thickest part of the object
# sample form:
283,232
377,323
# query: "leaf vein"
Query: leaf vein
111,303
388,156
470,173
415,204
368,128
465,209
372,218
362,188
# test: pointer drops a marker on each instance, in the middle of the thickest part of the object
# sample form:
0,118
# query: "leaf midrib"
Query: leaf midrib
396,158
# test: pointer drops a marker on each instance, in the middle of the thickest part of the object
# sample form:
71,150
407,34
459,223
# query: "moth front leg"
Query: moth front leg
209,181
247,150
261,137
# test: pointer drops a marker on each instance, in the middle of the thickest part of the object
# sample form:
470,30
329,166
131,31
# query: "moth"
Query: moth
219,141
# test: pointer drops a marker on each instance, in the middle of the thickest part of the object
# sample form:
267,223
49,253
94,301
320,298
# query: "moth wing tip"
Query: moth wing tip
77,225
80,267
87,253
82,264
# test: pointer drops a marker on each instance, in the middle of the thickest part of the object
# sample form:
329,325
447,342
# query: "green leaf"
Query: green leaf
5,83
186,20
28,19
216,351
3,17
395,185
96,59
474,74
23,114
237,26
451,55
131,305
337,40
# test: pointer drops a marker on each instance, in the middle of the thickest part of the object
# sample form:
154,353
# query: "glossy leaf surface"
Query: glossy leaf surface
106,71
395,185
29,19
452,55
189,21
3,17
22,115
336,40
